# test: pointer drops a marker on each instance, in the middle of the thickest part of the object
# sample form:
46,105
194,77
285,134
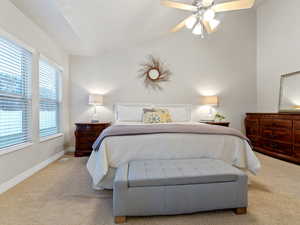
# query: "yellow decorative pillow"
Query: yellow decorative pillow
152,117
157,116
165,114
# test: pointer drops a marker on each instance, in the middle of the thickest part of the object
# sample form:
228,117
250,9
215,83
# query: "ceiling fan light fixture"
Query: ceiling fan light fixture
198,29
202,21
209,15
190,23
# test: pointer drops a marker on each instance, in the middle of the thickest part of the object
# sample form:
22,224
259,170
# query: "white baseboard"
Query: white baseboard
70,149
21,177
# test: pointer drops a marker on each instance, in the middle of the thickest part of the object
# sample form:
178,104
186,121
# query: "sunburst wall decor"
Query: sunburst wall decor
154,72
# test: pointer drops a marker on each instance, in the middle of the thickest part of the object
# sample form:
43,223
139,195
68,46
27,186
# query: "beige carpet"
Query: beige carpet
61,194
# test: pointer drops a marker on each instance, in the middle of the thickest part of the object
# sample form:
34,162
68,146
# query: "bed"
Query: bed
113,151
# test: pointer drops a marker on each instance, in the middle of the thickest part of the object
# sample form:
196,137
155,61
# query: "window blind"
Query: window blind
49,99
15,94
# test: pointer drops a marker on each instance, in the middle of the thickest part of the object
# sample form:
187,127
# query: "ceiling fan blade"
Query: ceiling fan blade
180,25
235,5
211,26
207,27
179,5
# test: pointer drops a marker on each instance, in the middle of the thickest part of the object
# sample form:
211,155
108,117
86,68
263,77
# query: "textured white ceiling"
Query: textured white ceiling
93,26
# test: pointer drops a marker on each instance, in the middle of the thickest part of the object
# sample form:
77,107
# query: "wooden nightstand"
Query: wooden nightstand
224,124
86,134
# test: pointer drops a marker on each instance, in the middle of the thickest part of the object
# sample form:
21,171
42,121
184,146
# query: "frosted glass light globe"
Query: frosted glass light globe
190,22
198,30
214,23
207,3
209,15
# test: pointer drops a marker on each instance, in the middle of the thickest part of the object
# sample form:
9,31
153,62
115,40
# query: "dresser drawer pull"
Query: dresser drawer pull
274,145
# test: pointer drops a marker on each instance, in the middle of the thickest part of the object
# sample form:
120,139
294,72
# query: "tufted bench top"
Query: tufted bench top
144,173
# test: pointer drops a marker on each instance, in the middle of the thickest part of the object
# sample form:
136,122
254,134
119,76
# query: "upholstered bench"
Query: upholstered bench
166,187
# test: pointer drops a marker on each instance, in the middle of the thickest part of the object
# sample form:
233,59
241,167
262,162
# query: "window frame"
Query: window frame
58,101
25,97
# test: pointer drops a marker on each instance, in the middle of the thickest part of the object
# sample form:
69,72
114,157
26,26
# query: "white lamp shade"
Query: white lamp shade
209,100
95,99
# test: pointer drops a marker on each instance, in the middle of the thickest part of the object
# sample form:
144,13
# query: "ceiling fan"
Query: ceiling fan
204,11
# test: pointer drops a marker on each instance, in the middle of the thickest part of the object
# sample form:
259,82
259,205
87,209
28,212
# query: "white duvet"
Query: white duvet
117,150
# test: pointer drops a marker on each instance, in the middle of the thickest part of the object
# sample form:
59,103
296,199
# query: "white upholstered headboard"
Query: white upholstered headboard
133,112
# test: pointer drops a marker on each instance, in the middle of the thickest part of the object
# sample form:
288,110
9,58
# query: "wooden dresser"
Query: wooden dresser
86,134
275,134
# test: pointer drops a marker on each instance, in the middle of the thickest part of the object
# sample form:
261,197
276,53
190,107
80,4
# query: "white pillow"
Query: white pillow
128,113
179,114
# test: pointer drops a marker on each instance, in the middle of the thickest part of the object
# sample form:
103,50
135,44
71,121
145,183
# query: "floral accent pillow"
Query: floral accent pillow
156,116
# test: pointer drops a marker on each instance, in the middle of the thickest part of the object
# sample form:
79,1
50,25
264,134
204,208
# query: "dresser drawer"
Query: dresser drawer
297,151
297,124
266,132
278,147
266,123
297,136
251,127
255,142
282,123
282,148
266,144
282,134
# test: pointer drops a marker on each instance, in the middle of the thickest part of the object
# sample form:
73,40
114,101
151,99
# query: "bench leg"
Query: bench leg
120,219
240,211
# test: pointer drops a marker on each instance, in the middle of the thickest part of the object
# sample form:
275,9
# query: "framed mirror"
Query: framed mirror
289,98
154,72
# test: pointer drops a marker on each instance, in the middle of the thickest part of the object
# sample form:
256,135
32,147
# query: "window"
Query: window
15,94
49,77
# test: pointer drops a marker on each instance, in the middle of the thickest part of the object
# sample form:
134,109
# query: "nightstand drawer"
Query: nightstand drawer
84,146
82,134
86,139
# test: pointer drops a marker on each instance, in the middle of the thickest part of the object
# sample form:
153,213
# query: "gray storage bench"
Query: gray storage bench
166,187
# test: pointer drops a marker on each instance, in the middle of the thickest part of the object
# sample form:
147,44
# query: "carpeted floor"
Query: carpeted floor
61,194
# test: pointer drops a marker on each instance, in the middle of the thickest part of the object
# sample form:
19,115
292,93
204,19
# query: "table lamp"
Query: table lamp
95,100
210,101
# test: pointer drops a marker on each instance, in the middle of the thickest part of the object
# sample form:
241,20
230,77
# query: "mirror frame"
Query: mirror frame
281,90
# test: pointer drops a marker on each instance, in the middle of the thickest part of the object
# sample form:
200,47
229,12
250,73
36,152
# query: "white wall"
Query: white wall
16,24
278,48
224,64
